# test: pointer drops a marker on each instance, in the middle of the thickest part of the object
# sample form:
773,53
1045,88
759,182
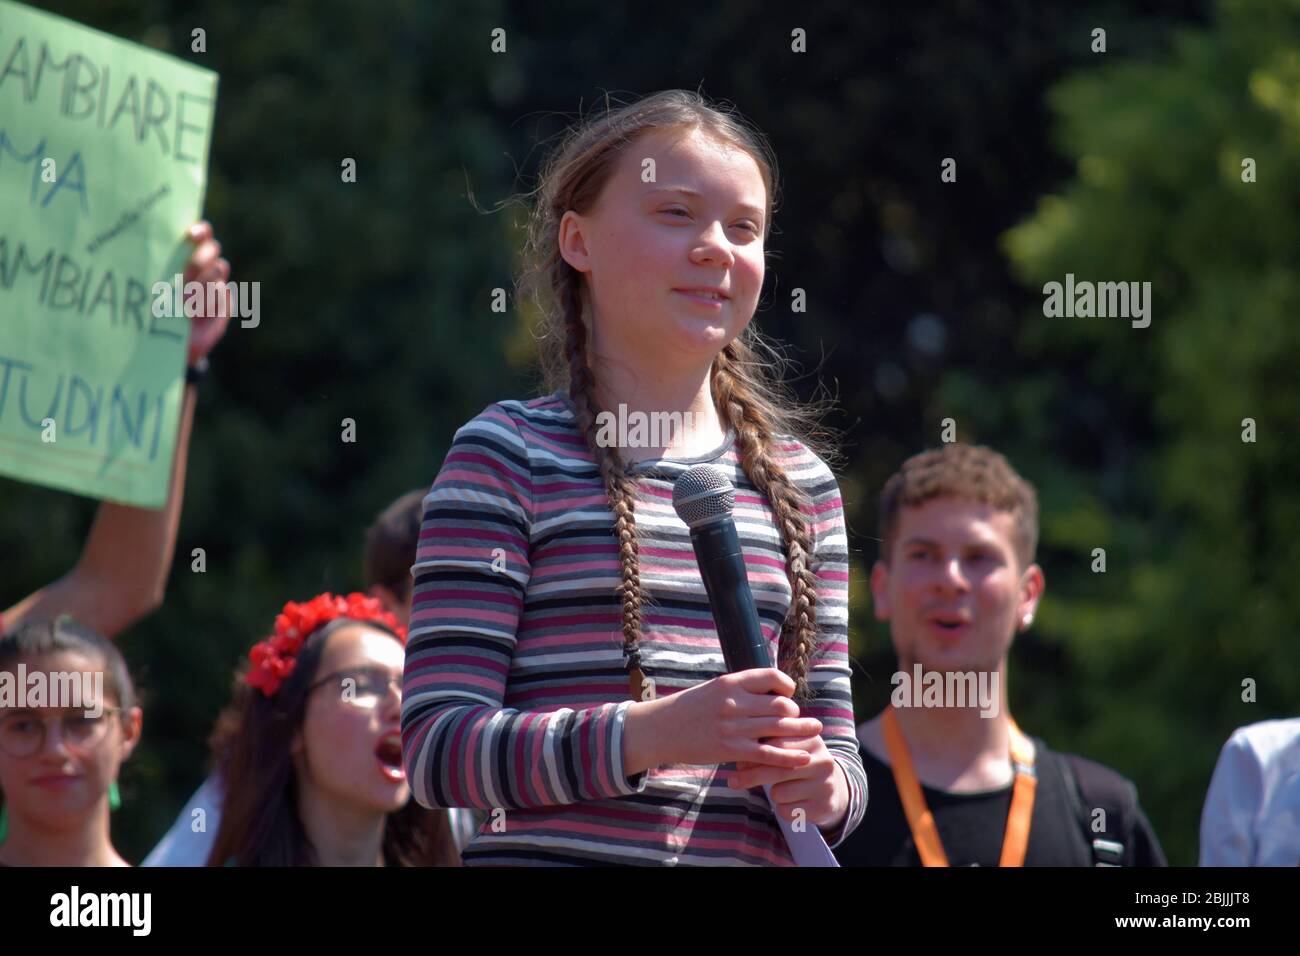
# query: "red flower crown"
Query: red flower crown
274,659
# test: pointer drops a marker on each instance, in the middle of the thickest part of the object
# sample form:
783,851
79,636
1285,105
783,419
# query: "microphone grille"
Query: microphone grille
701,494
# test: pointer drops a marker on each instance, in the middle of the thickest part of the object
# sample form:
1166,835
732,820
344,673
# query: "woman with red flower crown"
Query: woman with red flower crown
309,750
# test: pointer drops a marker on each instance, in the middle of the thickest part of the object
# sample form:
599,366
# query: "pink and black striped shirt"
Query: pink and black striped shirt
515,690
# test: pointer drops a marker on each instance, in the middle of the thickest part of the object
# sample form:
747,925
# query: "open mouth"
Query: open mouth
948,622
389,755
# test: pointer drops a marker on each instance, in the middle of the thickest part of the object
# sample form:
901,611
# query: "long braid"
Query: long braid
746,392
755,434
619,488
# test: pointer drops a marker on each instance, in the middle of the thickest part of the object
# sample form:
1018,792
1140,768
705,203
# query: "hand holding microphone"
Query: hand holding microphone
724,720
703,498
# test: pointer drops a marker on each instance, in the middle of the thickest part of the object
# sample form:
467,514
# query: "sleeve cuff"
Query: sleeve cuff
619,783
857,806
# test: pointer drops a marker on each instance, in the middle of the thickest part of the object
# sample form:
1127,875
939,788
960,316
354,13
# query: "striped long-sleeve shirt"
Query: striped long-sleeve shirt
515,689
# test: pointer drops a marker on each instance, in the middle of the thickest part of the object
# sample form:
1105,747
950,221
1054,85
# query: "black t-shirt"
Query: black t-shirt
971,825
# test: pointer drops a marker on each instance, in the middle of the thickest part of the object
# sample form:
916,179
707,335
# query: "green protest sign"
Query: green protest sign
103,165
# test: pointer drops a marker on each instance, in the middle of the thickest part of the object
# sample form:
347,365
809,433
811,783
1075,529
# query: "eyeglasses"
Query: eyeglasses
362,686
23,735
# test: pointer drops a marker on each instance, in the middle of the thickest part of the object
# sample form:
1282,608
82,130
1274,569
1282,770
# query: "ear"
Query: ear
573,241
1032,585
880,590
132,724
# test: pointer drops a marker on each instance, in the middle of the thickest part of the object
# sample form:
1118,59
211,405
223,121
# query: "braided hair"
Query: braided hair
747,396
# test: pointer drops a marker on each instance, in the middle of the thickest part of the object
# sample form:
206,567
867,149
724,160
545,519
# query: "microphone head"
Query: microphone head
703,494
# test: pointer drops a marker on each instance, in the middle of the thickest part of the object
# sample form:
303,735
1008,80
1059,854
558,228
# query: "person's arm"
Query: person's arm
1233,800
122,573
462,746
829,673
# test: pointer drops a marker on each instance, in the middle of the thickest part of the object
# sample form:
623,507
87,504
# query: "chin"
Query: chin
948,659
390,799
67,805
702,333
57,817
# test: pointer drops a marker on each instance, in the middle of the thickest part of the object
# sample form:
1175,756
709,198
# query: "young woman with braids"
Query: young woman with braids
563,672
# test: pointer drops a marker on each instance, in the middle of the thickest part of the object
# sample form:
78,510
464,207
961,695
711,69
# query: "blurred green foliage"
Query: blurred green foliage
1198,525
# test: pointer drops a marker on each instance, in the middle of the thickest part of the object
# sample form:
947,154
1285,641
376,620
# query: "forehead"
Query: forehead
691,160
61,662
956,521
359,645
58,661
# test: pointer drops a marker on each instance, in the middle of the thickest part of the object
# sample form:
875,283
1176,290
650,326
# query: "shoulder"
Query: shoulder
515,424
517,413
1269,741
819,493
809,473
1261,752
1097,783
801,463
1087,786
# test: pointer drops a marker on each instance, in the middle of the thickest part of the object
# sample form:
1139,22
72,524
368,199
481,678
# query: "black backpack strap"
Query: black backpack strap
1089,787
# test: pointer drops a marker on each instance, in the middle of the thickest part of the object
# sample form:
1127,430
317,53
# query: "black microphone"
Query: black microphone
703,498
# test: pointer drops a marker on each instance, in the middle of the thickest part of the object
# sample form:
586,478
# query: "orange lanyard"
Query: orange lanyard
921,821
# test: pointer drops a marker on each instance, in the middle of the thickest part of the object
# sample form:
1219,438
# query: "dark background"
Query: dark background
924,297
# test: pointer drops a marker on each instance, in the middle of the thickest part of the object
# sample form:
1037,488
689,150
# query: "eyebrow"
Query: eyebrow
917,541
747,207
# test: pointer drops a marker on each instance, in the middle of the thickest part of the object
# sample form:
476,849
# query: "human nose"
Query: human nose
54,739
952,577
713,246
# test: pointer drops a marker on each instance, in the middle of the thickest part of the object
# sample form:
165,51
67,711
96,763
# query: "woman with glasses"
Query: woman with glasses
59,762
310,749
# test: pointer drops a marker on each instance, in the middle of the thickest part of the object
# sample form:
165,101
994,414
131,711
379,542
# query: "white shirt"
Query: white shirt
1252,810
190,839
